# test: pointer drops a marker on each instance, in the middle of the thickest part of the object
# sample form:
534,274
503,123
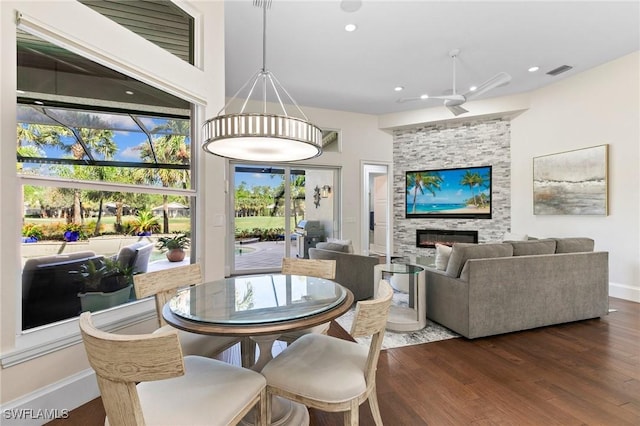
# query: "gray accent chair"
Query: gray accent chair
136,255
353,271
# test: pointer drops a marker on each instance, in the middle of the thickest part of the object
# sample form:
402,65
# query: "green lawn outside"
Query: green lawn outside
261,222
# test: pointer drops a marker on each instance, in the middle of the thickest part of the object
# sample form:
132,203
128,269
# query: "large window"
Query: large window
105,165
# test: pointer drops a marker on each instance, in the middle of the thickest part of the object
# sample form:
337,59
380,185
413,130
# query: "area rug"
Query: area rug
431,333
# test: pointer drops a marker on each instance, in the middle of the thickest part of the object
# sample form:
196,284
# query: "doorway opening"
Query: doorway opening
272,210
376,208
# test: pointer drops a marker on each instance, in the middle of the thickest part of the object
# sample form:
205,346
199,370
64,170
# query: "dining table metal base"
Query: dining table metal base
284,412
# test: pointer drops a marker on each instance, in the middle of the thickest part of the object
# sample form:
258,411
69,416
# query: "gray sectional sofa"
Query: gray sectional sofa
489,289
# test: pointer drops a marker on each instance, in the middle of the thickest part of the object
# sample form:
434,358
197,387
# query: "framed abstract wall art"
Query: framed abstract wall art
572,182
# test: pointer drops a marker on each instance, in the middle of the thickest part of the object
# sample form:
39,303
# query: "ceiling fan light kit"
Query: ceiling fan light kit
454,101
262,136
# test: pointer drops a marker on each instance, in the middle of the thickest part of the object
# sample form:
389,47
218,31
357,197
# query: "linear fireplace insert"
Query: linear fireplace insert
427,238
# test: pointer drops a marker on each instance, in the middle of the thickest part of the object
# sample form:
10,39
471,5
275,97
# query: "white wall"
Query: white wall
598,106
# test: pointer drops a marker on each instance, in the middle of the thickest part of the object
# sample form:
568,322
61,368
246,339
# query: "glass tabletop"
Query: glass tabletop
257,299
401,268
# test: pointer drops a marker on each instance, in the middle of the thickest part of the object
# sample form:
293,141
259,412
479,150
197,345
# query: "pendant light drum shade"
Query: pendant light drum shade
261,137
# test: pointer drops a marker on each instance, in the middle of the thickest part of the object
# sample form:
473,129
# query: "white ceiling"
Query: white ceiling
407,43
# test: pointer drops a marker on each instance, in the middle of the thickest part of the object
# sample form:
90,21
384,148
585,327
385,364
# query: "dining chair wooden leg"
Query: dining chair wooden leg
269,407
261,410
375,408
351,416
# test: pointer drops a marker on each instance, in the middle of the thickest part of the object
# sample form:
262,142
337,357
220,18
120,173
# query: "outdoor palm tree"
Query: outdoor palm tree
99,141
429,182
38,135
171,148
297,188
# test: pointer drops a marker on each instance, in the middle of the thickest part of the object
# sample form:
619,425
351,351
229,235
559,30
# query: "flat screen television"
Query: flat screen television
460,193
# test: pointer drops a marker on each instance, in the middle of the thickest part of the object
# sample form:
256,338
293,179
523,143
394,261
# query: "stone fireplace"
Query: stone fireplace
427,238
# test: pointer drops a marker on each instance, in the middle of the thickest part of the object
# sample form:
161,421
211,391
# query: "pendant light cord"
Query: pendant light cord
266,76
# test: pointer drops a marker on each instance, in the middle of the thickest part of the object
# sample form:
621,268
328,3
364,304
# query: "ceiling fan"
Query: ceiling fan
454,101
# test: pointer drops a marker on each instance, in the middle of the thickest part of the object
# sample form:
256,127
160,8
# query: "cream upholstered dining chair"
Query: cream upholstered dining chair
313,268
171,390
332,374
164,285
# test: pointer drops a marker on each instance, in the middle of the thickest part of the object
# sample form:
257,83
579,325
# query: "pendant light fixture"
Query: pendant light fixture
262,136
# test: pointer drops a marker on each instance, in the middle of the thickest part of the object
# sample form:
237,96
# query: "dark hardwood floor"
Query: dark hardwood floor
582,373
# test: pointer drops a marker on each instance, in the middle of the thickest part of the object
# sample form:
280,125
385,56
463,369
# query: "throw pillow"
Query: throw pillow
574,245
527,248
443,252
510,236
461,252
333,247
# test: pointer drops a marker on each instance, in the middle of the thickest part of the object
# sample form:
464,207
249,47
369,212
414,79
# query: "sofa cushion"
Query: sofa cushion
574,245
527,248
461,252
510,236
333,247
443,252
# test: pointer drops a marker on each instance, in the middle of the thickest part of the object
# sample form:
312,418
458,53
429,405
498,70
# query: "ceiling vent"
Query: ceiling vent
559,70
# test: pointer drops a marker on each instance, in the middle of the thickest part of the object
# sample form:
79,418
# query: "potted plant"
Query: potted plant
72,232
145,223
174,246
105,283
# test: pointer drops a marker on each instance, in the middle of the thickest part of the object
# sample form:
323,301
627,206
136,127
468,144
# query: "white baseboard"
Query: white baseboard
57,399
623,291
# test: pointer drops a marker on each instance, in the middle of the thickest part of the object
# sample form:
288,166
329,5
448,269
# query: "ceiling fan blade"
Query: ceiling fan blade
497,80
458,98
456,109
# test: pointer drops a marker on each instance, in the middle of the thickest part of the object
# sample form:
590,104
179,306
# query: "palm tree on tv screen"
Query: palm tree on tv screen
474,180
419,182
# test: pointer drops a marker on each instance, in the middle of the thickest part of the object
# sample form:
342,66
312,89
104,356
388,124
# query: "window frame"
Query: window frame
33,343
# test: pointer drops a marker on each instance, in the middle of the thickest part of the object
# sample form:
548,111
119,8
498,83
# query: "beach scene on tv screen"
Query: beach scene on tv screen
449,191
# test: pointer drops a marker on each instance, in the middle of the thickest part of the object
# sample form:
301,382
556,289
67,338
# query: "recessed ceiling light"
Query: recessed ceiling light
350,5
398,88
128,92
425,96
473,88
38,102
534,69
350,28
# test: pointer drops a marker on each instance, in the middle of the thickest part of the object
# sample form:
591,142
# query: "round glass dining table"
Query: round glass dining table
260,307
257,305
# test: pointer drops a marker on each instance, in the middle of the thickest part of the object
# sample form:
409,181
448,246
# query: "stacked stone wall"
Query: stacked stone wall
444,146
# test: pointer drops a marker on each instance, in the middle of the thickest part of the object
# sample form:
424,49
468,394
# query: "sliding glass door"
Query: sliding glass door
279,211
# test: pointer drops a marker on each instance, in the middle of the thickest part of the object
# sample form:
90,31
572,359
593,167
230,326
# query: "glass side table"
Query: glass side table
409,307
